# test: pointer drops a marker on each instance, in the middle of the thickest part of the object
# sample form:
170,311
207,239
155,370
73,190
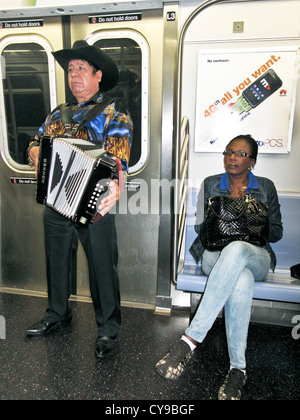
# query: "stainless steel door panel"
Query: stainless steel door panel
137,234
21,223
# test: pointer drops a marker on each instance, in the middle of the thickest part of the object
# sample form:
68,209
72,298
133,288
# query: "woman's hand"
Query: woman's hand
111,200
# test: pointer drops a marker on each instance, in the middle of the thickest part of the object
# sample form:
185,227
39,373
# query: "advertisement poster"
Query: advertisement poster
246,92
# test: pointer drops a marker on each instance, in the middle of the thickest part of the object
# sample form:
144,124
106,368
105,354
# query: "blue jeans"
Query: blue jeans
232,274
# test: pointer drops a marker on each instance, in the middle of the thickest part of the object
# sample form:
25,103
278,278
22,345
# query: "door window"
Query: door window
130,52
25,97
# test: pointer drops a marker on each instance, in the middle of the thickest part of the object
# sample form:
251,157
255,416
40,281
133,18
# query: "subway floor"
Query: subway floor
62,366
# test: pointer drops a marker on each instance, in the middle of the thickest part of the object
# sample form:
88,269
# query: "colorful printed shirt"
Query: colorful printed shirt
111,129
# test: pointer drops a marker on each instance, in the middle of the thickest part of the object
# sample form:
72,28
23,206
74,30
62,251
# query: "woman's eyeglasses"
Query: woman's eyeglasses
238,154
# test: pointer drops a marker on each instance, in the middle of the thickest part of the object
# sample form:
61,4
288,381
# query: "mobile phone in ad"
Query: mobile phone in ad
262,88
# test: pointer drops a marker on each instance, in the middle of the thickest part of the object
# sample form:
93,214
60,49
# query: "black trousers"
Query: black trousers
100,245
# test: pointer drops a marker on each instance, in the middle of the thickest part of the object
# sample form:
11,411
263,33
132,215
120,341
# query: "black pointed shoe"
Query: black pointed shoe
43,327
105,347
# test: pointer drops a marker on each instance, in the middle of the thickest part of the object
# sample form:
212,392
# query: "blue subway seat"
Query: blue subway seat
278,286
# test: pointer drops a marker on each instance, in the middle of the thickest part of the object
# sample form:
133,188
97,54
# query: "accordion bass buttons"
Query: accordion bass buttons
99,190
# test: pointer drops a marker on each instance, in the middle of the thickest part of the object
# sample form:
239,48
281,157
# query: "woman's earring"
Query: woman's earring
251,168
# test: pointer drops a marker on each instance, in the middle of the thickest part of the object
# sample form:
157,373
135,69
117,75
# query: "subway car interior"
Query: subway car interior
185,68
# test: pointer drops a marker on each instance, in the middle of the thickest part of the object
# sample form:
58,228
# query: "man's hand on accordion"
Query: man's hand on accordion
111,200
34,155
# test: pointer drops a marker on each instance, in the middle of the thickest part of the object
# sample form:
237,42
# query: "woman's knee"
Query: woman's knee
237,248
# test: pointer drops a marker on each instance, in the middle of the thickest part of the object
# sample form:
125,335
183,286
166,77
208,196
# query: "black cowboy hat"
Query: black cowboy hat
81,50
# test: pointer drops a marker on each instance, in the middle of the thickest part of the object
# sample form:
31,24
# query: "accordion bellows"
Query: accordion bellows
72,176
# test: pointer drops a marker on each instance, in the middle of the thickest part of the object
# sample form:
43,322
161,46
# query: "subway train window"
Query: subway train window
130,53
25,97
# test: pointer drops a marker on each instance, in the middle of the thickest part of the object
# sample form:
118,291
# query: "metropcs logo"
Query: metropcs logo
265,84
274,143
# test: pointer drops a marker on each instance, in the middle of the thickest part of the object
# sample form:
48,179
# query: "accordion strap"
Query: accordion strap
66,114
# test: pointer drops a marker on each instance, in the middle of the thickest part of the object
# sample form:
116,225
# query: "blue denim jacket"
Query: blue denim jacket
260,188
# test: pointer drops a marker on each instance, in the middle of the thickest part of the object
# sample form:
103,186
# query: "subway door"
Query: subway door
134,41
27,94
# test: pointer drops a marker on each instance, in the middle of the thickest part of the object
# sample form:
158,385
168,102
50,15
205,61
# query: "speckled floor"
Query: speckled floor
62,366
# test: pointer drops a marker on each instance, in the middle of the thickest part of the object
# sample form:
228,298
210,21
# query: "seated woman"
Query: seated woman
232,271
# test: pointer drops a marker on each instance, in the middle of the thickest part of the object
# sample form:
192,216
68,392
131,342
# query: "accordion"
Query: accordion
72,176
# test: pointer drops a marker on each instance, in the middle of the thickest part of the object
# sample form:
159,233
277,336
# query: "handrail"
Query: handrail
180,193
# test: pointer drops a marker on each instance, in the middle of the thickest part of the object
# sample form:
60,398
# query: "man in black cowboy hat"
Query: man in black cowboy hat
90,73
